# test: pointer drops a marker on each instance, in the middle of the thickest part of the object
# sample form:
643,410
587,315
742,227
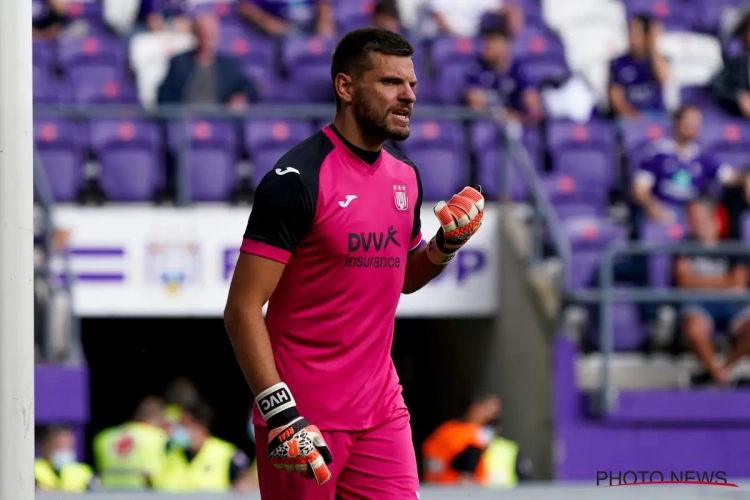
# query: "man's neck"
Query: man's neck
350,130
198,443
204,57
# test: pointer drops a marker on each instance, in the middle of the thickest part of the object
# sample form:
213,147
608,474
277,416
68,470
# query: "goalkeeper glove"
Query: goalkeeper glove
294,443
459,219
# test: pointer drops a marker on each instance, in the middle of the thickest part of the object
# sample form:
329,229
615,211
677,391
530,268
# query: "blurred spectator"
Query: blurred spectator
453,452
196,460
164,15
731,87
130,456
202,76
505,466
288,17
48,18
464,18
700,320
58,468
636,78
676,171
495,80
180,393
385,16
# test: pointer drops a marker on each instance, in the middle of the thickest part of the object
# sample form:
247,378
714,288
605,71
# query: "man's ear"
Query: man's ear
343,86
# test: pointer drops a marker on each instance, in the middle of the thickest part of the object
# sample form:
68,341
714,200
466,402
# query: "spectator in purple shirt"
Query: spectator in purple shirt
636,78
496,80
286,17
676,171
161,15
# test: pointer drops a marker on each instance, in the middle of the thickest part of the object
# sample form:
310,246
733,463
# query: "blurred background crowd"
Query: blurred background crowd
632,113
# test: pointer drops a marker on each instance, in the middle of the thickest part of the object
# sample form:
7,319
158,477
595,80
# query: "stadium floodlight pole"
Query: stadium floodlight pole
16,254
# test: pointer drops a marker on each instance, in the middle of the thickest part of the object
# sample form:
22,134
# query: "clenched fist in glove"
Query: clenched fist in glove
294,443
459,219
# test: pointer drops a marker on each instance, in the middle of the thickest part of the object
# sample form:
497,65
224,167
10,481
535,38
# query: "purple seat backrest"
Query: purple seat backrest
124,133
202,134
447,50
728,141
239,42
589,237
94,49
354,13
300,52
537,42
583,149
659,265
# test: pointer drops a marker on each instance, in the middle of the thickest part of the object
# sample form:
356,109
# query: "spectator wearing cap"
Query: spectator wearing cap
636,78
204,77
288,17
495,80
731,86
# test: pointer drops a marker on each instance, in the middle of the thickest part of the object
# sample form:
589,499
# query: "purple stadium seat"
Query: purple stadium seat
89,10
583,151
533,42
247,46
308,64
437,147
211,156
269,140
353,14
636,136
95,50
629,333
589,237
656,233
128,152
452,56
102,86
61,151
728,141
674,14
573,199
44,54
485,142
49,90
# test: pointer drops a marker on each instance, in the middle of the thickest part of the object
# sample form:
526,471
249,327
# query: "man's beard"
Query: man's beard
374,125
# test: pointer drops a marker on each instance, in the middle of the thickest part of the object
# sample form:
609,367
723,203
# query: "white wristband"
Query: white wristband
436,256
275,399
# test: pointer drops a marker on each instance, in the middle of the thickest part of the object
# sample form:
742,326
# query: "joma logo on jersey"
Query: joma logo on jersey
371,242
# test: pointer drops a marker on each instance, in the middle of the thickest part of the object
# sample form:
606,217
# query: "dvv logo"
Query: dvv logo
367,249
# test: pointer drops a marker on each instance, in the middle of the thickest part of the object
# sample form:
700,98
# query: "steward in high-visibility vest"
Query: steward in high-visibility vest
503,465
180,393
197,461
130,456
452,454
58,469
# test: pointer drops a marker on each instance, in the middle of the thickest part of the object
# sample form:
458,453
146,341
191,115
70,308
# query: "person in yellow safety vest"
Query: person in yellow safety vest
130,456
179,393
196,460
504,465
453,453
58,469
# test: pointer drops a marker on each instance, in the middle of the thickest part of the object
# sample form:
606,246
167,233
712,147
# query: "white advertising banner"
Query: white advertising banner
147,261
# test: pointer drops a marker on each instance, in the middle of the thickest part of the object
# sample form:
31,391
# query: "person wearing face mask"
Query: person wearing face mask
504,465
453,452
180,393
130,456
198,461
58,468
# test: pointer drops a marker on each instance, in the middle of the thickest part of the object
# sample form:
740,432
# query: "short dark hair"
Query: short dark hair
352,54
684,108
200,412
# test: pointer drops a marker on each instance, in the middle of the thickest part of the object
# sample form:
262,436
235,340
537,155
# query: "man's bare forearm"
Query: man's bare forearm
419,270
252,347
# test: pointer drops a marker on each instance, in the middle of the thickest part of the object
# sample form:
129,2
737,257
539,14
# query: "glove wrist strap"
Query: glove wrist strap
437,256
277,403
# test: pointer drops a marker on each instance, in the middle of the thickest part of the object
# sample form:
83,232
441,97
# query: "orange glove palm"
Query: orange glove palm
460,218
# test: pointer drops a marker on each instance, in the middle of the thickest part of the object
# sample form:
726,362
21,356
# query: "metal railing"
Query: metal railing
511,148
607,295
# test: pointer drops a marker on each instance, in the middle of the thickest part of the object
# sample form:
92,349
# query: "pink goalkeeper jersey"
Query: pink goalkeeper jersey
343,220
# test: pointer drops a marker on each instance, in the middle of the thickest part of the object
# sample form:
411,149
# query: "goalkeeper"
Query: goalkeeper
333,239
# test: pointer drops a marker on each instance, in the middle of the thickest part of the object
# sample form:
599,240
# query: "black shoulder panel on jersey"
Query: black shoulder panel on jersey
287,196
417,226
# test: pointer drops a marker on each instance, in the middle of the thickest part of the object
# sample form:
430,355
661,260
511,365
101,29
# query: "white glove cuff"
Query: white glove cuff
274,400
437,256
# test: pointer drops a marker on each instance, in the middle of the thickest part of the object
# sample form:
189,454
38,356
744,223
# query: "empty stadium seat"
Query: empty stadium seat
353,14
308,64
437,148
637,135
452,58
728,141
572,198
589,237
130,168
583,151
211,149
96,49
268,140
541,54
659,265
61,150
